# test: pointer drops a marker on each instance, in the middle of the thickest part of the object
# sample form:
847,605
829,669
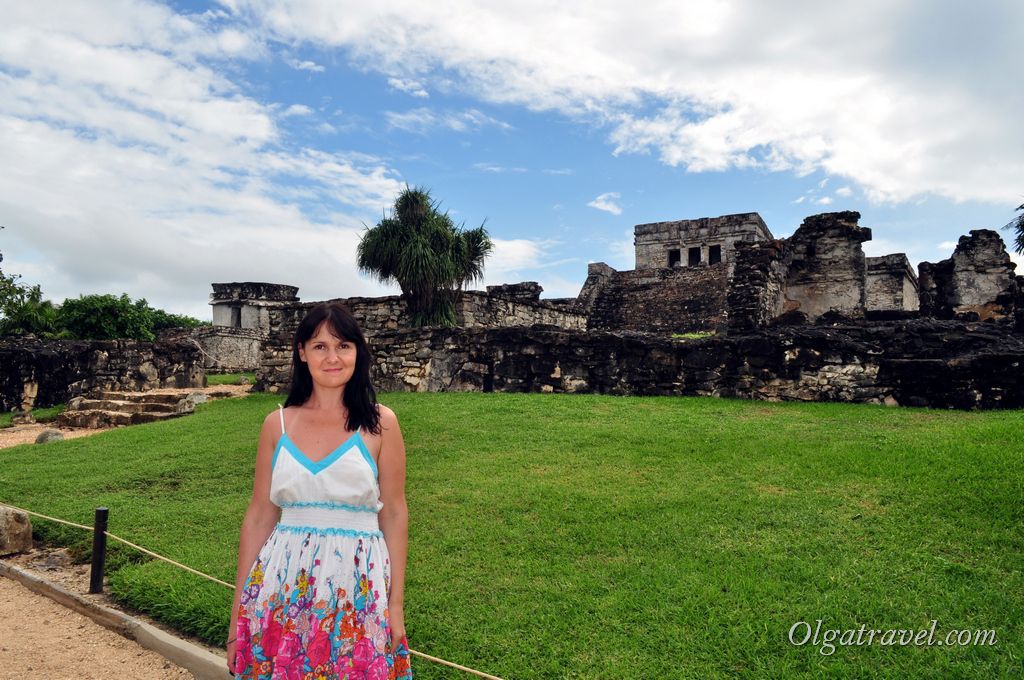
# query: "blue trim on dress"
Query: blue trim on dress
328,531
318,466
328,505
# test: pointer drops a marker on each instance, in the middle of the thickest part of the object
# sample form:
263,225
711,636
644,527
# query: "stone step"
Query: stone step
126,406
97,418
140,397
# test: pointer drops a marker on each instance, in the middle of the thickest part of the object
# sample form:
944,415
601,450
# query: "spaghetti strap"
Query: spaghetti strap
280,411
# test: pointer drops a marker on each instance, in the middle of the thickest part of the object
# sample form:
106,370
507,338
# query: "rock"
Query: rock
22,418
49,435
15,531
149,373
188,404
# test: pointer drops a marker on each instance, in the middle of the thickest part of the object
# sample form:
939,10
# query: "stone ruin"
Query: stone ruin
733,267
36,373
976,283
807,317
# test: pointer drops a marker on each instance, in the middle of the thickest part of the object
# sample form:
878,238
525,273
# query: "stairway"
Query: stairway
114,409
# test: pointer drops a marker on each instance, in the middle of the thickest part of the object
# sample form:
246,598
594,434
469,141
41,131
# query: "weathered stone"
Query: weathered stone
891,283
22,418
977,282
689,243
49,435
15,531
63,369
827,269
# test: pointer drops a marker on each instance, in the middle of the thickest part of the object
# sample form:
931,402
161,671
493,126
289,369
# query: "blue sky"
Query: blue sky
153,148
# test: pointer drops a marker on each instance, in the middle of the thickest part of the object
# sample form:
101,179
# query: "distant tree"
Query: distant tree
431,259
23,309
106,317
163,320
110,317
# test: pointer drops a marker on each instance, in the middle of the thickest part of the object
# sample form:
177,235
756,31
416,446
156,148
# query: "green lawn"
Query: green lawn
229,378
42,415
586,536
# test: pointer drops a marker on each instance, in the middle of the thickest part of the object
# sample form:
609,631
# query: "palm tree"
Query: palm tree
1018,224
421,249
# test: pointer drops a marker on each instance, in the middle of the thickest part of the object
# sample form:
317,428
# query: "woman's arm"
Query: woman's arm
394,516
259,521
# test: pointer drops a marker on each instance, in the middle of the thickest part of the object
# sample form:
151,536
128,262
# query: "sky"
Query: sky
153,148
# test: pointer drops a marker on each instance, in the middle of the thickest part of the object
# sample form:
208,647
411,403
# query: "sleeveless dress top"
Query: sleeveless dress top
314,604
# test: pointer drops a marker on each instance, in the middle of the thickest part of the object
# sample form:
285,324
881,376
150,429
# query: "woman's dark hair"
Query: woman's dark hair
360,398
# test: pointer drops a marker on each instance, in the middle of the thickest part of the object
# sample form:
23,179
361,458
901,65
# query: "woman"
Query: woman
321,563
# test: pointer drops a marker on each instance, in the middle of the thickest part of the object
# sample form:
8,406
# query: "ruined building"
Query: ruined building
686,270
807,317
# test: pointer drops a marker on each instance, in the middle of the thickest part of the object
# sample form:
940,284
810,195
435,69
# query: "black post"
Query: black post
99,550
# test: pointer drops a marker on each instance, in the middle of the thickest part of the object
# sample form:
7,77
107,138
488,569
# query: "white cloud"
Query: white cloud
824,200
844,192
799,200
304,65
495,168
423,120
607,202
559,171
296,110
129,164
728,84
515,260
409,86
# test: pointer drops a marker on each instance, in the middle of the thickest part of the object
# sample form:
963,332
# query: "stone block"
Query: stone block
15,531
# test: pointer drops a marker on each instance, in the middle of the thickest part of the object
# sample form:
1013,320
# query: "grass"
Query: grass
693,335
572,536
229,378
42,415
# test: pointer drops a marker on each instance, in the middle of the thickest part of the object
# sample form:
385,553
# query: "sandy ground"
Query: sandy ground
42,639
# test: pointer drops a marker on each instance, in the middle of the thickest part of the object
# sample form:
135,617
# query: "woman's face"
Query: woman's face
331,360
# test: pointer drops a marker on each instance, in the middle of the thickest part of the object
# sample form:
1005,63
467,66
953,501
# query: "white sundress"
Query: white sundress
314,604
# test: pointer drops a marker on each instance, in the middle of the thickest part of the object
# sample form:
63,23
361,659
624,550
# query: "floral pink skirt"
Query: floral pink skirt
314,607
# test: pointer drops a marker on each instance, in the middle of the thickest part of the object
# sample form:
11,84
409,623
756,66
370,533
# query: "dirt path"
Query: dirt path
42,639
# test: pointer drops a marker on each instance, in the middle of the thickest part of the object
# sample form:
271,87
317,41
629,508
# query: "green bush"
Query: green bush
106,317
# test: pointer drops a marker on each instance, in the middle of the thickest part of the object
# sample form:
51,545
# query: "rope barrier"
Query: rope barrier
428,657
52,519
170,561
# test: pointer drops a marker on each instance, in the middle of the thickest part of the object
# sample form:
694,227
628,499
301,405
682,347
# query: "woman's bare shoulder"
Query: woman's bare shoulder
387,416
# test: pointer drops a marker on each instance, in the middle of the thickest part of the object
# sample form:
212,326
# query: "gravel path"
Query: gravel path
42,639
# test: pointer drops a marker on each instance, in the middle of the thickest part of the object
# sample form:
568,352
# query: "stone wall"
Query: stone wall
758,283
827,271
942,364
43,373
501,306
516,304
224,349
977,282
891,284
665,300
